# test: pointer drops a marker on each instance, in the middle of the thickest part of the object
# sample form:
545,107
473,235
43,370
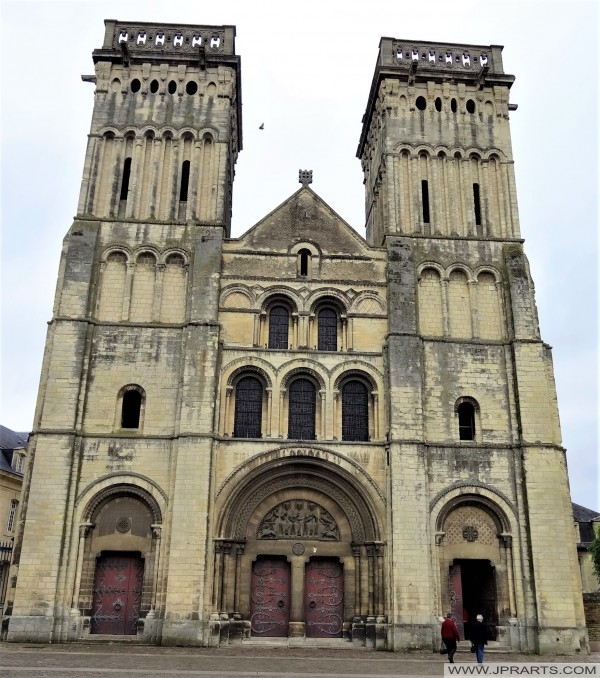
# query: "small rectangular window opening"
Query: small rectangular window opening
12,514
304,255
125,182
185,181
425,200
477,204
466,421
130,413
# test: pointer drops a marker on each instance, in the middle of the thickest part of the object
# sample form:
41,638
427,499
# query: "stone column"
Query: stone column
128,289
84,529
269,411
298,566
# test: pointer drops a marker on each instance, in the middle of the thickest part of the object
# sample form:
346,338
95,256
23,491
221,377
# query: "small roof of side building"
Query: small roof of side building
11,440
583,514
585,518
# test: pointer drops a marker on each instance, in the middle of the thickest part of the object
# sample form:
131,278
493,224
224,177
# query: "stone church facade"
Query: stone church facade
297,433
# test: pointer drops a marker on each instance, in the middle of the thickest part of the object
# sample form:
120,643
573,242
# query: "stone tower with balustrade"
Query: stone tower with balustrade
474,435
133,308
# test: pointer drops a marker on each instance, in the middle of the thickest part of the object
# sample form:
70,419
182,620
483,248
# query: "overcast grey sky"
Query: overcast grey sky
306,72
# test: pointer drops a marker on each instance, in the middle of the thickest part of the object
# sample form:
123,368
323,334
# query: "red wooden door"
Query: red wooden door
456,597
324,598
118,585
270,597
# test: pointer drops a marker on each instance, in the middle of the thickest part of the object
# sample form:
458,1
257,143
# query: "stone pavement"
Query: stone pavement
93,660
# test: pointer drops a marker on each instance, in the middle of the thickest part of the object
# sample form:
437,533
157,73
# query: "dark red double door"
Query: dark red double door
323,598
118,583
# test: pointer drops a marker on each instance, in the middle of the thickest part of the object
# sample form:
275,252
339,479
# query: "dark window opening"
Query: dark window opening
477,204
130,412
135,85
125,182
327,330
154,86
278,327
421,103
453,106
248,408
302,405
185,180
466,421
172,88
191,87
425,200
355,411
304,259
438,104
470,106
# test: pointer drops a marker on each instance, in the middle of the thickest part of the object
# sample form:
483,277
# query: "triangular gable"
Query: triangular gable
304,217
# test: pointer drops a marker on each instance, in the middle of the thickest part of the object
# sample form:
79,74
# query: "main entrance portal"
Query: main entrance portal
324,598
270,597
118,583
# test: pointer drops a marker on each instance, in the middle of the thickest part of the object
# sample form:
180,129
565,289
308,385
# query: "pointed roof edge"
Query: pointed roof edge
352,230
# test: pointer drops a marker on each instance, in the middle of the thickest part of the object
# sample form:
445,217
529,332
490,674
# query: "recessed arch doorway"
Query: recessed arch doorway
301,553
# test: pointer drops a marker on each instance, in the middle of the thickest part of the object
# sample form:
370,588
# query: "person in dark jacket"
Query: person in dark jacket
450,636
478,637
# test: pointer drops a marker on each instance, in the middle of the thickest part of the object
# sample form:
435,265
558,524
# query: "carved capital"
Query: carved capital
439,538
156,531
506,539
84,529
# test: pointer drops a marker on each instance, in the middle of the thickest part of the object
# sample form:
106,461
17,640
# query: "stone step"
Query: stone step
108,638
332,643
493,647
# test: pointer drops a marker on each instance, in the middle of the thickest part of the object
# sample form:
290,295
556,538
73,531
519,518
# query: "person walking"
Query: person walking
478,637
450,636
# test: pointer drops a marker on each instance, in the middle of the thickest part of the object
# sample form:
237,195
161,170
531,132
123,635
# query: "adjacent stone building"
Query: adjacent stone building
13,457
297,433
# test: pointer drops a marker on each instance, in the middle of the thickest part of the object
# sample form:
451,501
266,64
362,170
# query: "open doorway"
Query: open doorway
473,592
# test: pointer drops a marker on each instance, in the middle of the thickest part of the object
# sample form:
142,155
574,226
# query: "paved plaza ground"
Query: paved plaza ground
92,660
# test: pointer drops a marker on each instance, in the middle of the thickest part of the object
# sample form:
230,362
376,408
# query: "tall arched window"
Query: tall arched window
304,262
279,321
131,409
302,406
466,421
248,408
355,411
327,330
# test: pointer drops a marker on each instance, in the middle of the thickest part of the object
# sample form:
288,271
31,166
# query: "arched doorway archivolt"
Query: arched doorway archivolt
267,473
305,518
474,548
116,577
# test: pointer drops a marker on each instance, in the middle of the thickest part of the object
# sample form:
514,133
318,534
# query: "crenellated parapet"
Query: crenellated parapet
442,57
163,40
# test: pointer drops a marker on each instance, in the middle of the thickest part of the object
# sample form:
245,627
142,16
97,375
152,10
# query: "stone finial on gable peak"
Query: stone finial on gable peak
305,177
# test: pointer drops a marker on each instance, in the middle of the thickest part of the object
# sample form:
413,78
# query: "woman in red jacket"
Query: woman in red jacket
450,636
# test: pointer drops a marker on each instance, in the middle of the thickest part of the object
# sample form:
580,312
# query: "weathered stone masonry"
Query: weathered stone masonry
299,432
